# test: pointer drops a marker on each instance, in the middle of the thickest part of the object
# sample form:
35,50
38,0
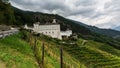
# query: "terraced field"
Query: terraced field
93,57
52,55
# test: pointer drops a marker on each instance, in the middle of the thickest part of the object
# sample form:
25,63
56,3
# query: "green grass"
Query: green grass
16,53
16,43
52,54
92,55
95,54
104,47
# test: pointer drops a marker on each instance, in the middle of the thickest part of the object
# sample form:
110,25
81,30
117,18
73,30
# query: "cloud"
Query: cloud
104,13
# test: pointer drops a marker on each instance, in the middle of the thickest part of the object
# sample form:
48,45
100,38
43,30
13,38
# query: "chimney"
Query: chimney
54,21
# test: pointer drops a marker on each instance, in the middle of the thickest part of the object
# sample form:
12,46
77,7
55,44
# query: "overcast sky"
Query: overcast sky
101,13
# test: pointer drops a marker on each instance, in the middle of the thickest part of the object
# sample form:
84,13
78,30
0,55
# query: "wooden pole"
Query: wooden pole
35,49
43,55
61,56
35,43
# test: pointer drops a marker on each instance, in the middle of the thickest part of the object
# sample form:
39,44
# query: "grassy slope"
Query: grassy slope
52,55
93,54
16,53
100,46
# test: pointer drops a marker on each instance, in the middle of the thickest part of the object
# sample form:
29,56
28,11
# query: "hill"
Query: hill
21,51
17,51
108,32
82,30
91,55
19,17
29,17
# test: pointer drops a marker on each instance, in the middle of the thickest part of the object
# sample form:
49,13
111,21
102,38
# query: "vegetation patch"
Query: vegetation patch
17,53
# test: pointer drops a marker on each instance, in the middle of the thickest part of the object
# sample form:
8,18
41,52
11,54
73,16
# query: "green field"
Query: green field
18,53
92,55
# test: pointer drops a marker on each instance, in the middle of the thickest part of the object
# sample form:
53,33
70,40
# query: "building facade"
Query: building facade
49,29
52,30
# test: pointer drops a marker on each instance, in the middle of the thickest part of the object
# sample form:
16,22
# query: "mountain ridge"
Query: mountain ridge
109,32
110,37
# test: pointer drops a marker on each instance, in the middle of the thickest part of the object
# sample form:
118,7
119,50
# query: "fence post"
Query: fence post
61,56
43,55
35,43
35,46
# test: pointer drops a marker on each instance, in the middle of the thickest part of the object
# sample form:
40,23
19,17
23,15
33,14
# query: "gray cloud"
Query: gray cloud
79,7
113,5
92,12
84,2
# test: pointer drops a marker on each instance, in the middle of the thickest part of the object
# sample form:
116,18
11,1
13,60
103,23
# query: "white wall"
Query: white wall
50,30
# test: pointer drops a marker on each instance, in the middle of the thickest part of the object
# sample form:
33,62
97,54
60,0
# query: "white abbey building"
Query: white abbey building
51,29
